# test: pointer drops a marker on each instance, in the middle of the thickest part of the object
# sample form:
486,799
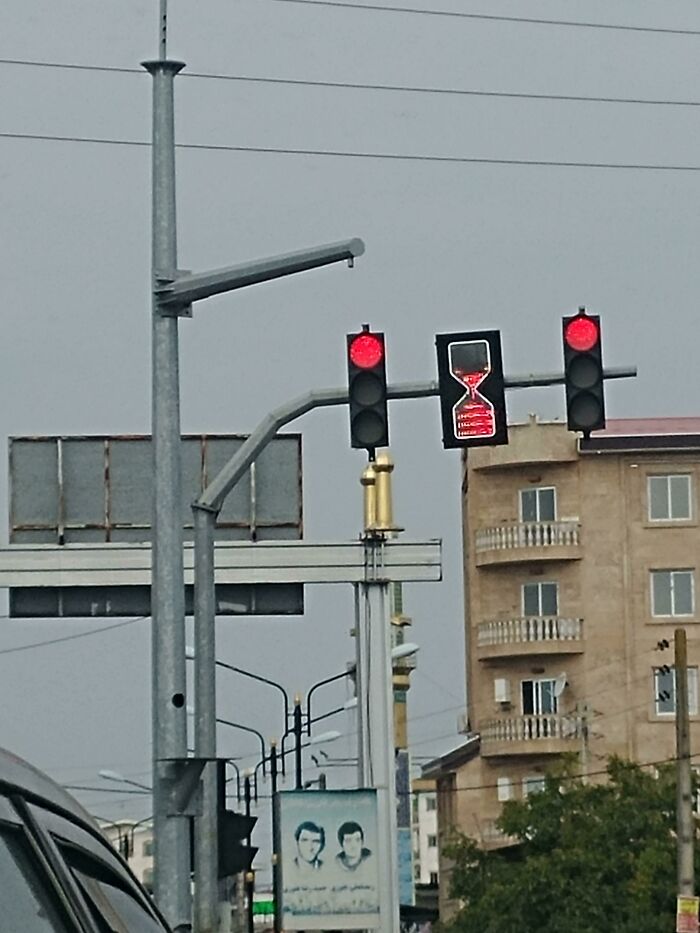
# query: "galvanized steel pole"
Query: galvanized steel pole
171,862
685,821
375,701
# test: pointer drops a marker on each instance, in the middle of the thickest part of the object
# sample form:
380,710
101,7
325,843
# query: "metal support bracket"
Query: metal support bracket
181,783
165,282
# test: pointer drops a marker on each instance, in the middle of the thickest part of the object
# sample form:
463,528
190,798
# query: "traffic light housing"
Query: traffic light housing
369,419
233,832
235,854
583,372
472,389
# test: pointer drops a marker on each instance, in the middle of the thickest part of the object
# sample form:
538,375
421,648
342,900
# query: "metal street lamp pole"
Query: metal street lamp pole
169,725
297,729
250,875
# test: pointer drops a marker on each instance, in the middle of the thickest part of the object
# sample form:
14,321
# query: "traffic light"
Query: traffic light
369,419
583,372
472,396
233,831
235,855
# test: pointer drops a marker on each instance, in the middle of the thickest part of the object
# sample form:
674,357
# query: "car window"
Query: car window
110,901
27,903
115,900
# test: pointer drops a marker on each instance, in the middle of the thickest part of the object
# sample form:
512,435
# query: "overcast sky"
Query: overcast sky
464,237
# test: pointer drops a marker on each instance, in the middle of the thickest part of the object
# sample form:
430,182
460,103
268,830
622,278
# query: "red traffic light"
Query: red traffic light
366,350
581,333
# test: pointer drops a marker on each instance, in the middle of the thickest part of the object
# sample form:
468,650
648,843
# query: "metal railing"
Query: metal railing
528,630
491,835
527,535
531,728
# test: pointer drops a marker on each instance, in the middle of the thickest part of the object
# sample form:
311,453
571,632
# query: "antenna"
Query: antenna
560,684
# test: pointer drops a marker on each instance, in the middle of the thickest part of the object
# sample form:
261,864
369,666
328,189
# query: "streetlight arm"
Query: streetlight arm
321,683
184,288
261,679
238,725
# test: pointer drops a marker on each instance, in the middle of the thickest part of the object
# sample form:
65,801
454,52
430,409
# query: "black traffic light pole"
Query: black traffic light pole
249,875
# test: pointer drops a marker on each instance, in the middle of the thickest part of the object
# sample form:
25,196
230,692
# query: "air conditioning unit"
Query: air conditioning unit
501,690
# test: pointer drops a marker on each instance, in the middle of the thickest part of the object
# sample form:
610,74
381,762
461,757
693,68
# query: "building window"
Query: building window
432,841
669,497
540,599
538,697
665,691
504,789
147,849
538,505
433,878
672,593
431,803
533,784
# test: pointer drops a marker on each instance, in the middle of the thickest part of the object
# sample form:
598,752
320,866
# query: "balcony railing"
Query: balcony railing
492,837
529,630
531,728
528,535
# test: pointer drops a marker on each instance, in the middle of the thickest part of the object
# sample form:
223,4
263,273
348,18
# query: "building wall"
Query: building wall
140,847
601,645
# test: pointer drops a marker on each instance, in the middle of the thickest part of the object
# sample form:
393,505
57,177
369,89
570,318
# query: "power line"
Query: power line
349,154
363,86
454,14
55,641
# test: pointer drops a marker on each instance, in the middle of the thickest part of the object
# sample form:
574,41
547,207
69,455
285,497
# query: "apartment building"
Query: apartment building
580,560
425,850
134,842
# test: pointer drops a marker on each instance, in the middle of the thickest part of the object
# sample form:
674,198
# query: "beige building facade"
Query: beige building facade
580,560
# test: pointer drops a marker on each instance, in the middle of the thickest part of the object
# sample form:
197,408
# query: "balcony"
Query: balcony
543,734
515,542
511,638
491,837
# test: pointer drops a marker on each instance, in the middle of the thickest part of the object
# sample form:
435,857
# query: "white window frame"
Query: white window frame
668,477
504,789
538,490
539,584
672,573
537,696
657,672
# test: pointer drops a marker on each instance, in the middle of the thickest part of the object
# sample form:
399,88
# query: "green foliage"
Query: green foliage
592,858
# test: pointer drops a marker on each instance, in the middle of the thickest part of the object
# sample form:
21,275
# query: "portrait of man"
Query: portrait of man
310,841
353,851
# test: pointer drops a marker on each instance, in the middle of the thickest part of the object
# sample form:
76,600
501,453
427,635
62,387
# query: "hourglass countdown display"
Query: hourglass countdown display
472,397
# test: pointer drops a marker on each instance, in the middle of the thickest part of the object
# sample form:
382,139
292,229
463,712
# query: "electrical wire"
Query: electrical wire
349,154
56,641
362,86
455,14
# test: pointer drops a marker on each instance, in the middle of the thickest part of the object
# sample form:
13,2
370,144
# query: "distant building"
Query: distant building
580,558
134,842
425,833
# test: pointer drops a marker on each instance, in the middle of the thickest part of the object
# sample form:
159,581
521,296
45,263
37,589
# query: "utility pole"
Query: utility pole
685,824
376,751
169,717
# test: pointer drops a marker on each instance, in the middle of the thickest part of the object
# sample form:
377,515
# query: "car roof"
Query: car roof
18,776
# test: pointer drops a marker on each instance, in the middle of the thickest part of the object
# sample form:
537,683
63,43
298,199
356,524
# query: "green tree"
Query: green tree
591,858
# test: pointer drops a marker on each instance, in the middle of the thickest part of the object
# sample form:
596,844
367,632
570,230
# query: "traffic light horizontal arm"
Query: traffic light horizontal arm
530,381
214,495
181,289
